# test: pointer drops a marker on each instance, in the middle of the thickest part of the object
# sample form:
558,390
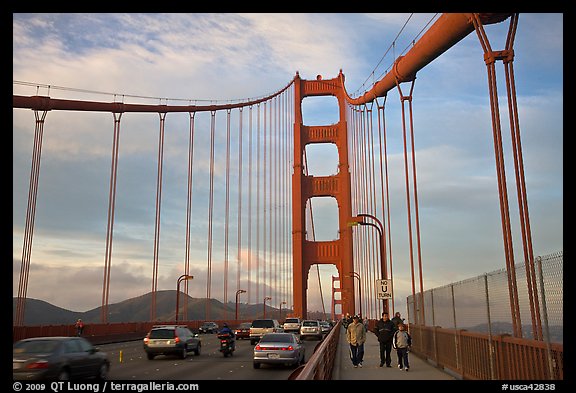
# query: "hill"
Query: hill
137,309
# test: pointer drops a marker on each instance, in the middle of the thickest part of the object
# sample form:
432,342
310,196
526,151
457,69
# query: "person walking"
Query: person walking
356,337
79,327
397,319
384,330
401,343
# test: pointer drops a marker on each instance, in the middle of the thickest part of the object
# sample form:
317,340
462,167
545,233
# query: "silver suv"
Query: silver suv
171,340
260,327
292,325
311,327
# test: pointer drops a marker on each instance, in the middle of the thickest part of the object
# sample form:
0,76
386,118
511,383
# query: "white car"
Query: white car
311,327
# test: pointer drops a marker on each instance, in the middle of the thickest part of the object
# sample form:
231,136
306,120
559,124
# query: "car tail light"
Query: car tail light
37,365
257,347
147,338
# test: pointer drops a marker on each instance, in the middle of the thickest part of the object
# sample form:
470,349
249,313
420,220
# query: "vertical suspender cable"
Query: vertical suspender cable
250,221
110,224
264,208
189,209
384,184
210,215
157,218
521,183
258,176
489,59
30,217
240,160
407,183
227,211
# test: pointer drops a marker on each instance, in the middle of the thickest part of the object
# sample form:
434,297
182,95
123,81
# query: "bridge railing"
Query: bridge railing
319,366
103,333
475,355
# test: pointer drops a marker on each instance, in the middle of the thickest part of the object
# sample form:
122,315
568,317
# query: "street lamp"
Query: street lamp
359,219
281,309
266,298
180,279
238,292
357,275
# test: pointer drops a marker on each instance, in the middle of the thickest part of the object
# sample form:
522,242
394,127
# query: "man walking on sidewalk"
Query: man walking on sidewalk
384,330
356,336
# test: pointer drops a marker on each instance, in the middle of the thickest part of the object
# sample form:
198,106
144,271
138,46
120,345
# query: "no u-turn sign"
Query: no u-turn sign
383,289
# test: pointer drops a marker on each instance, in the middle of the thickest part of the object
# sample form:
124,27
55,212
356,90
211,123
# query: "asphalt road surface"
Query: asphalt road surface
129,363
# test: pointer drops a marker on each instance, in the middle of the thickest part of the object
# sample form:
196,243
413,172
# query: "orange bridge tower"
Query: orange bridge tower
336,252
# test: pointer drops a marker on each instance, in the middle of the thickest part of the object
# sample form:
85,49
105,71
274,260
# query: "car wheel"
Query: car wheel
197,350
256,365
64,375
103,372
150,356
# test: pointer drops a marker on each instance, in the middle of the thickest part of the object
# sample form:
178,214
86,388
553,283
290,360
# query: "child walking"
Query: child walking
401,343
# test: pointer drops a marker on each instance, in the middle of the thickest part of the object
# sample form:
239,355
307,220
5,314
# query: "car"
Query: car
311,327
58,358
326,327
243,331
292,325
209,327
259,327
279,348
171,340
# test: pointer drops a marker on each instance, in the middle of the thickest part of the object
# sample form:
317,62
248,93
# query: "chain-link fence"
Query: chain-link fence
482,304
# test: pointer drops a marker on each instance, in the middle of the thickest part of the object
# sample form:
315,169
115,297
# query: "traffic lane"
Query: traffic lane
129,362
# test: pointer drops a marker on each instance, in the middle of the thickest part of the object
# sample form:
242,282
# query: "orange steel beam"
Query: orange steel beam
442,35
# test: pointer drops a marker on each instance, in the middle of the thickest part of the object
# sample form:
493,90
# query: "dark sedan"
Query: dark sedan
243,331
59,358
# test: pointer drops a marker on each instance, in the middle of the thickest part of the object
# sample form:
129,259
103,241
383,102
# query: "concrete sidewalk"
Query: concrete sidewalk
371,370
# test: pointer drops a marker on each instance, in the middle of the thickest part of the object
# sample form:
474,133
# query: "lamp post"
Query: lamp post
180,279
281,310
359,219
238,292
357,275
266,298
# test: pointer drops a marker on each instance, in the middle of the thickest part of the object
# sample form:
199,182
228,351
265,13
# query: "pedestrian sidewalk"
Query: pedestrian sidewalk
371,370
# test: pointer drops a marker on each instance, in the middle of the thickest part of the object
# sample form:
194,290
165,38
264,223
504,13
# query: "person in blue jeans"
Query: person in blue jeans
356,337
401,343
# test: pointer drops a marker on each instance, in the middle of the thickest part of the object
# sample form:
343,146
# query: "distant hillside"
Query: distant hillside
137,309
39,312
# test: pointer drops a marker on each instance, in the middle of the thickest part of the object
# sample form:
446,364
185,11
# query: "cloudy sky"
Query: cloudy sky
235,56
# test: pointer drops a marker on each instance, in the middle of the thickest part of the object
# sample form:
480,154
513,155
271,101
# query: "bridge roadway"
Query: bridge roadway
133,365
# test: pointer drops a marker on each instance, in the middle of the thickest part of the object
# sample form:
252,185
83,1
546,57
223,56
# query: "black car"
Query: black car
171,340
58,358
209,327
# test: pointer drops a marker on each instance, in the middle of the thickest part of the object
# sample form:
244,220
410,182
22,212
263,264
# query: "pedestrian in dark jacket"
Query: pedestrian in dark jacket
384,330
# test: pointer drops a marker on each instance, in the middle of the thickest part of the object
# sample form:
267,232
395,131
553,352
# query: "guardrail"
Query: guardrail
321,363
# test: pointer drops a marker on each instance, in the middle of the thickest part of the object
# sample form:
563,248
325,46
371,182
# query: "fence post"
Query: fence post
490,344
434,328
456,341
545,312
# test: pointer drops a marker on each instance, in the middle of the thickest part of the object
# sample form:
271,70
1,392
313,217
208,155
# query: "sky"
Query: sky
221,57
